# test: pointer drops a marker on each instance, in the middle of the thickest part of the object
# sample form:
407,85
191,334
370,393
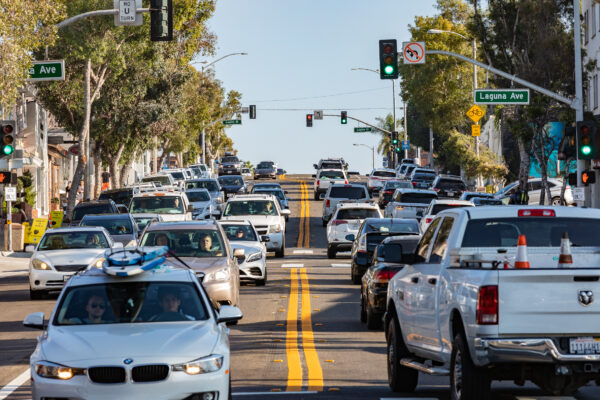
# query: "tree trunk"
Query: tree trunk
161,159
115,168
524,166
97,175
125,170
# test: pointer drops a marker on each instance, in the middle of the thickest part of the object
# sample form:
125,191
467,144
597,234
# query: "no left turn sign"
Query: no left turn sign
413,52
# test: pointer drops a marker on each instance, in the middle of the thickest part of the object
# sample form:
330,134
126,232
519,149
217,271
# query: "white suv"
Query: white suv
347,220
172,205
263,211
327,177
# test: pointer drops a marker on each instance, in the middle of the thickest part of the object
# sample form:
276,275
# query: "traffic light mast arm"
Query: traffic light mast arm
358,120
95,13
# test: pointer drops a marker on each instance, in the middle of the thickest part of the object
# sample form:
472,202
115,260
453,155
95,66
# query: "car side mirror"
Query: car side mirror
229,314
315,166
322,196
190,208
240,254
35,321
265,239
350,237
285,212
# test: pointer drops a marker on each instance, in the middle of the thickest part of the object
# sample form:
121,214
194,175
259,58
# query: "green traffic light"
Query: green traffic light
586,150
7,149
388,70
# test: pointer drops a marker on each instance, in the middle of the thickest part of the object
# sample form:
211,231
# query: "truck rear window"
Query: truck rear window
540,232
348,193
331,165
357,213
419,198
451,185
385,174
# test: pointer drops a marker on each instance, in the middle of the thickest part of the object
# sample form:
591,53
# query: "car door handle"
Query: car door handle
432,281
414,279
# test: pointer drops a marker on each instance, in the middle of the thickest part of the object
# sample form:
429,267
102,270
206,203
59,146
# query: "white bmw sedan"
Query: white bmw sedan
153,335
64,251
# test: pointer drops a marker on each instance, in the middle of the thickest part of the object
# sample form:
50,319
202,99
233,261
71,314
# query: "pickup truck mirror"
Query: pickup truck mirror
350,237
35,321
322,196
316,167
190,208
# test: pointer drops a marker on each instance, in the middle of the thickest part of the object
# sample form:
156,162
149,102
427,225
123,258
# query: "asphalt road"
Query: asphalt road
300,338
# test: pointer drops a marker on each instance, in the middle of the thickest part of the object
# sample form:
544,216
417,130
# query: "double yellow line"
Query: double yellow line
304,228
315,373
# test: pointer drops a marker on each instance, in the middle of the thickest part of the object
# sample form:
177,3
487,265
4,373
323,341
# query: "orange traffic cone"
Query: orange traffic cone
565,260
521,260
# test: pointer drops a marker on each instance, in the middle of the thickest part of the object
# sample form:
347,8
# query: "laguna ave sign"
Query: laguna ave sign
502,96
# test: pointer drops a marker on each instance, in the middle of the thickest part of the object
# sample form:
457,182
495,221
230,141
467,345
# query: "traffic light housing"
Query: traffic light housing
388,59
161,20
566,148
395,144
588,177
586,140
344,117
252,111
7,138
309,120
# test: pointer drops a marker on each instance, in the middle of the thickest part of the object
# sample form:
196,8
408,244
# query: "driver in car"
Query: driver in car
170,304
206,246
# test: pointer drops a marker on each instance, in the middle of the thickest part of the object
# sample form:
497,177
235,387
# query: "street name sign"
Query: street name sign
363,129
475,113
502,96
413,52
50,70
232,122
475,130
318,114
127,12
10,193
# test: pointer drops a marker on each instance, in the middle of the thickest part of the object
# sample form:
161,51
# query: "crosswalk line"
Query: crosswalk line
340,265
292,265
14,384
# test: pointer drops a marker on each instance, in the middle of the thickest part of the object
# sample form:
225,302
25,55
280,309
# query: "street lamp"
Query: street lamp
208,64
368,147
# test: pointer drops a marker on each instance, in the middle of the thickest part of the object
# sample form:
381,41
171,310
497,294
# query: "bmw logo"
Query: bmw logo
127,361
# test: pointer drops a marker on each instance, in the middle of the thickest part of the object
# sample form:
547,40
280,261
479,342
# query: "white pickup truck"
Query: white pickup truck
457,311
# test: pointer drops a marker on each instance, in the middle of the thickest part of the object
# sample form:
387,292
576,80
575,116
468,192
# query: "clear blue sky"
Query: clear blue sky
300,55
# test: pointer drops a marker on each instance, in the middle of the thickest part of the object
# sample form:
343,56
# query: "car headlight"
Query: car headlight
39,264
222,274
202,365
254,257
275,228
99,262
47,369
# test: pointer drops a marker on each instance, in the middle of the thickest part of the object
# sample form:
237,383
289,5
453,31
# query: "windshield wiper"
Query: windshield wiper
171,254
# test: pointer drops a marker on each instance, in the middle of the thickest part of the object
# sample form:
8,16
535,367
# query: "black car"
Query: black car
92,207
449,187
386,192
232,184
390,256
265,169
370,234
422,179
484,201
119,196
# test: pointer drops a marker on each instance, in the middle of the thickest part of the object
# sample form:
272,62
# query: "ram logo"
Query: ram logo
586,297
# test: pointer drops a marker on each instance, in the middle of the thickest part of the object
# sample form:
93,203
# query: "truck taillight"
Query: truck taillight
338,222
384,276
318,182
414,183
327,203
487,305
345,182
436,189
537,213
428,220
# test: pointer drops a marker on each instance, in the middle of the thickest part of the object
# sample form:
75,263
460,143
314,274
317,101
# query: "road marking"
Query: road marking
14,384
306,217
292,265
294,381
263,393
304,225
303,252
301,223
340,265
10,274
315,373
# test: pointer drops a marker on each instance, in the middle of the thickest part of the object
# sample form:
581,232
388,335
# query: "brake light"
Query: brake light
384,276
428,220
318,182
362,244
436,189
327,203
537,213
345,182
414,183
487,305
338,222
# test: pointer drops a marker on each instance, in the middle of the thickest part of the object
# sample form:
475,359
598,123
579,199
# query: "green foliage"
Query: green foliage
25,184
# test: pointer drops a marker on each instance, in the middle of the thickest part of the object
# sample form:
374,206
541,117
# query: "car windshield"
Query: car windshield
157,205
423,177
357,213
142,222
240,232
118,196
505,189
187,242
540,232
265,165
131,302
469,196
229,160
441,207
418,198
200,195
385,174
162,179
231,181
210,185
275,192
265,186
115,226
484,201
79,212
390,185
350,192
450,185
250,207
389,225
73,240
332,175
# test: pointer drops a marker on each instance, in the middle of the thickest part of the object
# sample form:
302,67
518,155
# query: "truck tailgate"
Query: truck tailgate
549,301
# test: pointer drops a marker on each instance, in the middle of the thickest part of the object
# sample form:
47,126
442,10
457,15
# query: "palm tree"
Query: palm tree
387,123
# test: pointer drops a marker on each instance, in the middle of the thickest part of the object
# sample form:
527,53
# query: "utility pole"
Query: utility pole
578,102
405,130
394,154
430,147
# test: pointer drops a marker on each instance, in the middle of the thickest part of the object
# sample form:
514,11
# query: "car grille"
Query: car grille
70,268
107,374
149,373
262,229
255,271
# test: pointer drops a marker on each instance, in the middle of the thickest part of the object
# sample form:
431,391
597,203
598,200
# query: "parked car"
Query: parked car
242,235
385,194
326,178
534,187
448,186
265,169
121,227
345,222
232,185
92,207
338,193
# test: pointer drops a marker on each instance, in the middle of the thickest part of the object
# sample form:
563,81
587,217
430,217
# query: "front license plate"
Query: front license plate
450,193
586,345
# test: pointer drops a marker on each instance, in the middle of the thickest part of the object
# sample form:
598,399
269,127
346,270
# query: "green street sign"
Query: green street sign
363,129
502,96
232,122
51,70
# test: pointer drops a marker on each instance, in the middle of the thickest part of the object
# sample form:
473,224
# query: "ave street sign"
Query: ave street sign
475,113
413,52
127,12
319,114
51,70
502,96
232,122
363,129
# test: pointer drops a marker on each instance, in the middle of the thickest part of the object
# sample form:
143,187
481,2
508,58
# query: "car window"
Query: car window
231,159
157,205
450,184
535,185
162,179
331,165
357,213
423,176
348,192
276,192
438,252
332,175
250,207
441,207
198,196
389,225
187,242
389,185
210,185
177,175
417,198
231,181
385,174
425,243
260,186
142,222
240,232
73,240
131,302
115,226
265,165
79,212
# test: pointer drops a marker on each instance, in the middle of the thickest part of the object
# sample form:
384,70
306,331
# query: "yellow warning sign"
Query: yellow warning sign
34,233
56,218
475,130
475,113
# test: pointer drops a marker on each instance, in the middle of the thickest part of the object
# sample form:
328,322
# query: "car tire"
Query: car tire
281,252
316,196
36,294
556,201
373,318
363,312
263,281
354,276
400,379
331,252
325,223
467,381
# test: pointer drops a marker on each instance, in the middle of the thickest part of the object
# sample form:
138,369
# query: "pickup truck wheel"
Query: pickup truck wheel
363,312
324,223
467,381
331,252
373,318
281,252
36,294
400,379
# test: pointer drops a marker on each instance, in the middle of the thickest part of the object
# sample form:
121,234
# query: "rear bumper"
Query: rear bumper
541,350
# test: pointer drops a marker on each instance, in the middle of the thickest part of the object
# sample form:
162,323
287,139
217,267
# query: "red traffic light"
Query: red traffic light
387,48
309,120
8,129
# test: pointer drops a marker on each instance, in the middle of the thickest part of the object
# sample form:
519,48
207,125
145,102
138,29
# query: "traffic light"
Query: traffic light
5,177
252,111
566,148
309,118
161,20
586,140
395,145
588,177
7,138
344,117
388,59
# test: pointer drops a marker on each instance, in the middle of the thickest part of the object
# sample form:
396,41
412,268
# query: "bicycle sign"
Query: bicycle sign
475,113
413,52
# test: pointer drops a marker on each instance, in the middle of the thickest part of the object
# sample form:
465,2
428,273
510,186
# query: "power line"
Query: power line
321,97
327,109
